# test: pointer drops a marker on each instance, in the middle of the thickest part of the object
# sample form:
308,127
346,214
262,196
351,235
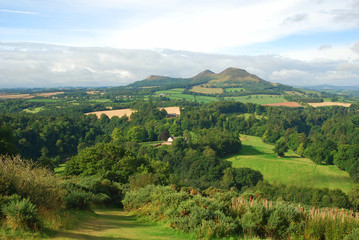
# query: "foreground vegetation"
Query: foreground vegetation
217,214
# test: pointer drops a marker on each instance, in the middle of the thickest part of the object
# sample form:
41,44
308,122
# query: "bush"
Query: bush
78,199
354,235
24,178
21,214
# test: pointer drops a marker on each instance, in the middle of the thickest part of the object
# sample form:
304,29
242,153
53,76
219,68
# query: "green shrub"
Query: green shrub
255,219
21,214
354,235
283,221
78,199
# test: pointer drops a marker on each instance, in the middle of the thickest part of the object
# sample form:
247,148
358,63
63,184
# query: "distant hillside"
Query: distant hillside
234,79
330,87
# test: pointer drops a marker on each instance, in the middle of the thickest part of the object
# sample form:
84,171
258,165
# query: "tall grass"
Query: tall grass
24,178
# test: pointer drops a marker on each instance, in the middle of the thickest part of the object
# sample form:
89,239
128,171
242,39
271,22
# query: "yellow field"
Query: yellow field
324,104
205,90
111,113
122,112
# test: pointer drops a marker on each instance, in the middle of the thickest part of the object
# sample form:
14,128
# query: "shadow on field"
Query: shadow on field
70,235
250,150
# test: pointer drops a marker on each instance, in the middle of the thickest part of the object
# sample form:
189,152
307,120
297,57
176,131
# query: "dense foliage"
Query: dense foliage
216,214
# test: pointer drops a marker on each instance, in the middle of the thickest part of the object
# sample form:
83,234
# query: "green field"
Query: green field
258,99
291,169
34,110
176,94
234,90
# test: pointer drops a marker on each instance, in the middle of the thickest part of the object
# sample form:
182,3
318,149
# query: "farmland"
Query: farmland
260,156
127,112
207,90
27,95
284,104
325,104
258,99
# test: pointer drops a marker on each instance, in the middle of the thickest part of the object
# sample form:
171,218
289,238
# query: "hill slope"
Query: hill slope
229,78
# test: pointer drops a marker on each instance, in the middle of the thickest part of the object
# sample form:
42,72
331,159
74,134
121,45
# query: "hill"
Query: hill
229,82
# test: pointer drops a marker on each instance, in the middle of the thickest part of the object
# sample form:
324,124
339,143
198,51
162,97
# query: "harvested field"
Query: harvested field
122,112
28,96
13,96
111,113
325,104
284,104
205,90
172,110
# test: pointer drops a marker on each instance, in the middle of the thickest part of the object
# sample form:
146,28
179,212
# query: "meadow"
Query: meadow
258,99
291,169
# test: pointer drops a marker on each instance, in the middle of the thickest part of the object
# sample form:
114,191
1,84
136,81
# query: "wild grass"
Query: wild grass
291,169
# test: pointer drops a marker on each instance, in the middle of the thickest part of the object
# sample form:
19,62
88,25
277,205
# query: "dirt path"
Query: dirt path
110,224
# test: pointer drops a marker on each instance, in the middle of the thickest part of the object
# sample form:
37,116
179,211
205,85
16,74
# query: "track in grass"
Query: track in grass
111,224
292,169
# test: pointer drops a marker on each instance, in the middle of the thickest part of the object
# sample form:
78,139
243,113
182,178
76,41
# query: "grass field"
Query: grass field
176,94
234,90
259,99
291,169
34,110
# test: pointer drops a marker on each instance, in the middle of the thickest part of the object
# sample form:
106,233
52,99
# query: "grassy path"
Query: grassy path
111,224
291,169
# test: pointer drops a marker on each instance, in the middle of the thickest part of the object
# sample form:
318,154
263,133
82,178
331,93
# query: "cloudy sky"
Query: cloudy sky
115,42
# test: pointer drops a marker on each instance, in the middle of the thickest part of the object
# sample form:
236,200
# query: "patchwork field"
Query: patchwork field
325,104
258,99
291,169
127,112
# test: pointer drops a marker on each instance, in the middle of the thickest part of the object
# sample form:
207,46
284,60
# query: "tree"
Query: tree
280,148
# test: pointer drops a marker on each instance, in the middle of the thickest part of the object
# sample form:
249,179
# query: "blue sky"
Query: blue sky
313,39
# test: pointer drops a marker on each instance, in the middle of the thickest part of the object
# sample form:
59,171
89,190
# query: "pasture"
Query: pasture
258,99
291,169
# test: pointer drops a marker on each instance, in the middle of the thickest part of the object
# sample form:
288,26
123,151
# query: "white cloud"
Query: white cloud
39,65
18,12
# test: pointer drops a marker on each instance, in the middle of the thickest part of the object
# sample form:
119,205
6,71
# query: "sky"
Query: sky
61,43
